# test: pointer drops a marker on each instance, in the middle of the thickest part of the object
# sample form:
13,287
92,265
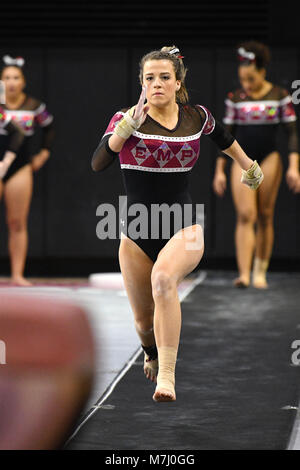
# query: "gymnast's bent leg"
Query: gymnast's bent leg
175,261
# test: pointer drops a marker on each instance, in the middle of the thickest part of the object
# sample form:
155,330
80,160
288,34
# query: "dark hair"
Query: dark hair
172,54
260,51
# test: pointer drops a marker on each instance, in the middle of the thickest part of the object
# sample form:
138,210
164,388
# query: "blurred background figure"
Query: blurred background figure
47,357
17,184
253,114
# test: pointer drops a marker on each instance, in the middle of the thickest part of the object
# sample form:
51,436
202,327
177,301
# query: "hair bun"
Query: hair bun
172,50
17,61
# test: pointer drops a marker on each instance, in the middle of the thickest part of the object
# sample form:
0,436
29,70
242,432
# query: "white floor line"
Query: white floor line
107,393
294,442
198,280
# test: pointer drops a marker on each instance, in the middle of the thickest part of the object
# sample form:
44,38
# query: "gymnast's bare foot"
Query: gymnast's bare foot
20,281
164,395
241,282
150,368
259,282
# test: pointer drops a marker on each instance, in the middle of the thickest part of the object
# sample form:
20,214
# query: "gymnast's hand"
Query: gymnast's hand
253,177
5,163
293,180
3,169
133,118
38,160
220,183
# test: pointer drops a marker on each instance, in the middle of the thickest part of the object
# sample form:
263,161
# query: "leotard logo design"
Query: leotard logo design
140,152
163,155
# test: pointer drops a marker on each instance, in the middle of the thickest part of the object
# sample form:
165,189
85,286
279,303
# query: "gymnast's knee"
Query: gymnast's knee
162,284
16,225
246,216
265,217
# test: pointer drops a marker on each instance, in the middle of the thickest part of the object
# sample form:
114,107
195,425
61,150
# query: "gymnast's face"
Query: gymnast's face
160,78
14,81
251,78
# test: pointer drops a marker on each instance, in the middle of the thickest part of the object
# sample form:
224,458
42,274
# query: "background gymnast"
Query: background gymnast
17,183
253,115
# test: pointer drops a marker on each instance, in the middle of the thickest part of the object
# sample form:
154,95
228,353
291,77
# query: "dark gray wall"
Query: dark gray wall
83,87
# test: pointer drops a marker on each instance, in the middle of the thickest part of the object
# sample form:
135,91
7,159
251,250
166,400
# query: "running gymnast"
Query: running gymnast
253,115
158,145
17,184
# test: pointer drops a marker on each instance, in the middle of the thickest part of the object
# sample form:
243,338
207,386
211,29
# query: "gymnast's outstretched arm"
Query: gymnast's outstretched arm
111,145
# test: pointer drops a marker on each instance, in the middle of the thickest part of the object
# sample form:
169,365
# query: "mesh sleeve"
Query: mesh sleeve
292,133
229,119
103,156
221,136
44,120
207,119
288,119
48,136
215,130
231,129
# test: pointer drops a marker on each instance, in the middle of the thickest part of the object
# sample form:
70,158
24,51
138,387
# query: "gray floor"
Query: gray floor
110,316
108,309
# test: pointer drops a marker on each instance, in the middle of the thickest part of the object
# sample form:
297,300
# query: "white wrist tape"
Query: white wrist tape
128,125
253,176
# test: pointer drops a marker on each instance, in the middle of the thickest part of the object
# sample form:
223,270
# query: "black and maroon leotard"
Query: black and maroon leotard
156,163
255,123
31,113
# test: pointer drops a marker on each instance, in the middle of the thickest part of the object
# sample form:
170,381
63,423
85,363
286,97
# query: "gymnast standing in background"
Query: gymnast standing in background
17,183
253,115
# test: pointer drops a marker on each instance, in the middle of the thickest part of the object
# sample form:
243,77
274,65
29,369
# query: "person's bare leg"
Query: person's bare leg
136,269
17,195
267,195
174,262
245,204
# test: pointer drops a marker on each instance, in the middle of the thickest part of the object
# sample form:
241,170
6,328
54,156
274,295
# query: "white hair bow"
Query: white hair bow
18,61
173,51
246,54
